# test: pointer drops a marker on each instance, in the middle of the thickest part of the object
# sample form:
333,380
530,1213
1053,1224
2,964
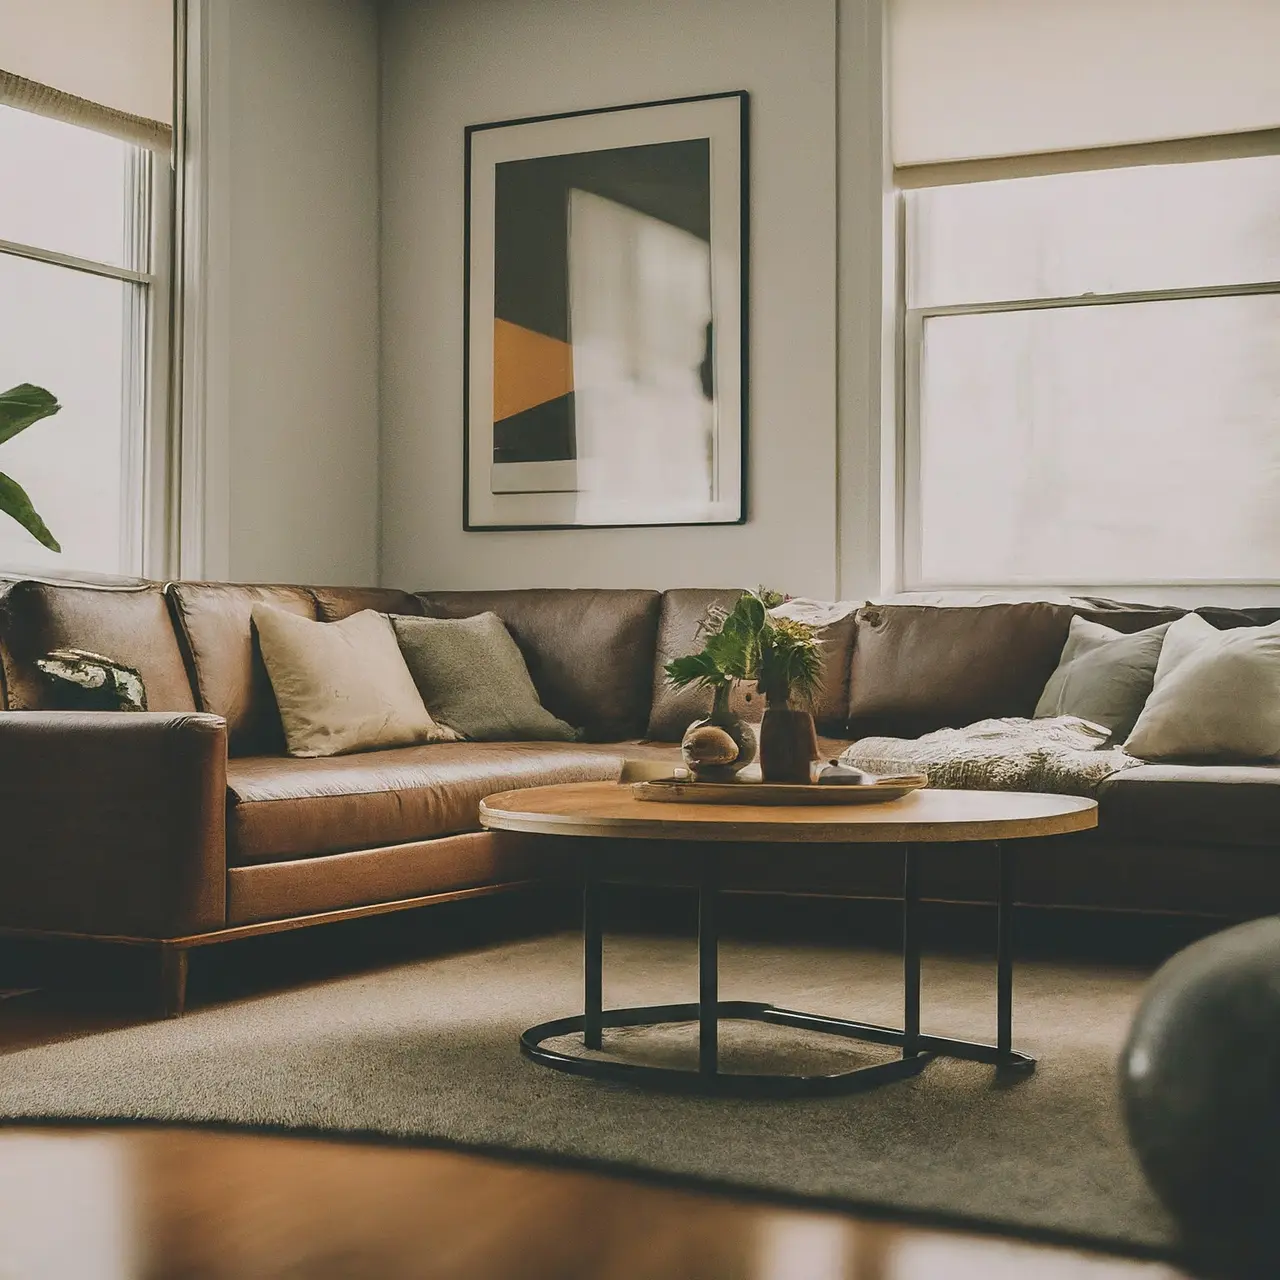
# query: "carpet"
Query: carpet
427,1051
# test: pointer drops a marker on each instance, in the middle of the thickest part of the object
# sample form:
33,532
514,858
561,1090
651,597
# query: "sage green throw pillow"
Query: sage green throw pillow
473,676
1103,675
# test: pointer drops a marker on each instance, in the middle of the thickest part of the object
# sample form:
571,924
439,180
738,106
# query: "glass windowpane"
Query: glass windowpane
1111,231
66,330
1108,444
67,189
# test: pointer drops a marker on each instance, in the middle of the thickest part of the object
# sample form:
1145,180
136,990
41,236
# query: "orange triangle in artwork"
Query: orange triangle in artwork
529,369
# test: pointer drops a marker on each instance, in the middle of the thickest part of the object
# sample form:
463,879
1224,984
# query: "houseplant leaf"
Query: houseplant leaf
21,406
735,646
14,502
696,668
790,662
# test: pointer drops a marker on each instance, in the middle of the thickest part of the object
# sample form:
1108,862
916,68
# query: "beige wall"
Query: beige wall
292,410
452,63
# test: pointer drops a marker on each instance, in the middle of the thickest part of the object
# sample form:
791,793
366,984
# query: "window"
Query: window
83,224
1093,379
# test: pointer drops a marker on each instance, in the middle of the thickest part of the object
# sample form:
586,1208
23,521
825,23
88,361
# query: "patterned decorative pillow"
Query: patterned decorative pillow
84,681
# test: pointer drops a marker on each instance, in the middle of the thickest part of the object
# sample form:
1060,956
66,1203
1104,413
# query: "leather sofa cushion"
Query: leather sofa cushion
590,652
683,610
281,808
335,603
672,710
128,622
917,668
1193,804
215,627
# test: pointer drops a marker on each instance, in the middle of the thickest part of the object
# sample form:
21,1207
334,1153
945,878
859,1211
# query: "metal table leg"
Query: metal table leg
708,966
592,961
917,1049
1004,954
910,954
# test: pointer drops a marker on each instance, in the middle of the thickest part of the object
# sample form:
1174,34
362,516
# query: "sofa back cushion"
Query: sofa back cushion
1226,619
126,621
673,710
589,652
917,668
683,610
335,603
214,623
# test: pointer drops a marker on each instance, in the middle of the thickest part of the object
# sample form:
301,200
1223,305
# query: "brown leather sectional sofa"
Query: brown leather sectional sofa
189,825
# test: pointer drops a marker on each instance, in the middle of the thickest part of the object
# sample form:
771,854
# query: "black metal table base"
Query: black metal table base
917,1049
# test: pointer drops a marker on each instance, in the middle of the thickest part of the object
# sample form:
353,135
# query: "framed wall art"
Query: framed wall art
606,317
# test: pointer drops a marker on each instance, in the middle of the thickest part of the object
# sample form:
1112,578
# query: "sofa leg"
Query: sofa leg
173,981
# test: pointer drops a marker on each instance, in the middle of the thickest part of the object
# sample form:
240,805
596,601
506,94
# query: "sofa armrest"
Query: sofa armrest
113,823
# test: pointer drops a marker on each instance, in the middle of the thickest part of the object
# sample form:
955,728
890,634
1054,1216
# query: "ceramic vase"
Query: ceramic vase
704,754
788,745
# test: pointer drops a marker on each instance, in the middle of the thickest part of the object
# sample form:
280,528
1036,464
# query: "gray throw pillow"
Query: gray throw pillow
1103,675
473,676
1216,695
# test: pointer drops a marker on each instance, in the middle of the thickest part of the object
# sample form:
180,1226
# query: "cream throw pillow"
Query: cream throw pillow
1216,695
342,686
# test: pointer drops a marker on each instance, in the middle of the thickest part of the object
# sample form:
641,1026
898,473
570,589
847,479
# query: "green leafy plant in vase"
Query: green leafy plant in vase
783,658
788,670
20,407
718,745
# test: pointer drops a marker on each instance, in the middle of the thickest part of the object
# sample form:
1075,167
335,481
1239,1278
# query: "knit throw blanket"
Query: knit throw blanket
1060,754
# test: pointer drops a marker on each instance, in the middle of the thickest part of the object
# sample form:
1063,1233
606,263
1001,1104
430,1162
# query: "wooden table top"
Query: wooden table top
924,817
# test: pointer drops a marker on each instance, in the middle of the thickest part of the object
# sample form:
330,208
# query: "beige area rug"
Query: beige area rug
427,1051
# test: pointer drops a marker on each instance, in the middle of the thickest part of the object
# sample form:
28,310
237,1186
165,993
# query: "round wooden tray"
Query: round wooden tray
682,791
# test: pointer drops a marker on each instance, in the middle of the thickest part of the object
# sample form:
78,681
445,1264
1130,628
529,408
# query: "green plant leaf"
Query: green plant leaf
21,406
14,502
735,644
695,668
750,611
790,662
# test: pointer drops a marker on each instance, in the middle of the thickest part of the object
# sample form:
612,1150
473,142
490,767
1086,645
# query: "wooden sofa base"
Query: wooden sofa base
172,953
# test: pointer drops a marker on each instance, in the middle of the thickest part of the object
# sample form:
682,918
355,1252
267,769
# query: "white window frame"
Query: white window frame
145,496
902,530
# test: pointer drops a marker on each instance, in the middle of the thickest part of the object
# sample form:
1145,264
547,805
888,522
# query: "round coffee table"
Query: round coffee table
610,810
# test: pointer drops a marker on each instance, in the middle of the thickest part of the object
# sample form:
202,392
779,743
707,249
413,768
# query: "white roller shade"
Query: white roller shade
980,78
103,63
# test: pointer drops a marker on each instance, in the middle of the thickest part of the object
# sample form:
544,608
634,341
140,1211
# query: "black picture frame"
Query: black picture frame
731,439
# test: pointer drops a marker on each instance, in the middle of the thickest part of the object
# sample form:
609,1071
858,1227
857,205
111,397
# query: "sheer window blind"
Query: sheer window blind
972,79
103,64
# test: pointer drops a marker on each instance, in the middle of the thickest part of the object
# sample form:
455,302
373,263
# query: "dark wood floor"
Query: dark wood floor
188,1204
